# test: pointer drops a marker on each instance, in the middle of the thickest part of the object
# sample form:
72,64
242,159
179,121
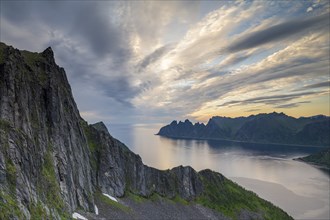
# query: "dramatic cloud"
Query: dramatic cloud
145,62
279,32
316,86
269,100
291,105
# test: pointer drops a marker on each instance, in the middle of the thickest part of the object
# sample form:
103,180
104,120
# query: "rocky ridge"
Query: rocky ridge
274,128
52,163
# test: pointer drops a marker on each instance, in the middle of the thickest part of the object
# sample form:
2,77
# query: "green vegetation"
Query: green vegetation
136,198
180,200
4,125
31,59
92,144
37,211
229,198
9,206
321,158
49,187
112,203
11,174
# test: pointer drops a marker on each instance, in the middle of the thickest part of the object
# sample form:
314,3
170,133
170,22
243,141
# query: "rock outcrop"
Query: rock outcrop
119,170
53,163
276,128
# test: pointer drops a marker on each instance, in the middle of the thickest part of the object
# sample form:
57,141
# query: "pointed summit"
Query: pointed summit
48,54
100,126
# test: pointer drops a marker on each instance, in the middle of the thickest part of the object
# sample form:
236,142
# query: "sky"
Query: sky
140,62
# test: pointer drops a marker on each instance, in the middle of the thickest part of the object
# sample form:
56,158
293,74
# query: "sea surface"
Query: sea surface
300,189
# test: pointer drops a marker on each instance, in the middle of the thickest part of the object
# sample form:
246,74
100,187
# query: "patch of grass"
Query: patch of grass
4,125
37,211
112,203
178,199
91,141
49,186
11,173
136,198
229,198
92,144
31,59
9,207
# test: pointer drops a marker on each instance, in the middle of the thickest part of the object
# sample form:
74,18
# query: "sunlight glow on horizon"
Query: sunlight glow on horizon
177,59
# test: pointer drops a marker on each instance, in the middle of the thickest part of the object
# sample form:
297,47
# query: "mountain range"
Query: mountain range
275,128
54,165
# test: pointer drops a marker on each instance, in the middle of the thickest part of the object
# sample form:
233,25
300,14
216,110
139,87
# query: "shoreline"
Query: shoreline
237,141
316,165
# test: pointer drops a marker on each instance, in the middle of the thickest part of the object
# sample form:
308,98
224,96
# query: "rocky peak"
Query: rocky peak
174,122
100,126
45,144
48,54
52,163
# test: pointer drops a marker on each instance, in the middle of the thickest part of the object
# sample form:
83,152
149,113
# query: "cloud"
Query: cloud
278,32
130,61
316,86
253,110
291,105
268,100
154,56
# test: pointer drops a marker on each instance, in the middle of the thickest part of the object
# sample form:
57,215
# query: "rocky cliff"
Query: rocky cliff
276,128
52,163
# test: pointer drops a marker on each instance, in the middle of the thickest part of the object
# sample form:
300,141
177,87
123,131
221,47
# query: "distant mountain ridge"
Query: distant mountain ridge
277,128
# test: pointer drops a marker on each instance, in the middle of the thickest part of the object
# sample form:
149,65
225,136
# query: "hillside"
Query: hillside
53,164
276,128
321,159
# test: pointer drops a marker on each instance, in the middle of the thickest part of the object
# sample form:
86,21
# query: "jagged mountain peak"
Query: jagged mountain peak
100,126
52,163
49,54
277,128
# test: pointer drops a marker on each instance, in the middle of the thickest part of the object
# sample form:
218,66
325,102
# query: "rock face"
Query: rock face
262,128
41,135
119,170
53,163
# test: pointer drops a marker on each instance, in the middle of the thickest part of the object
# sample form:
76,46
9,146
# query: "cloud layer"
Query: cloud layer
144,62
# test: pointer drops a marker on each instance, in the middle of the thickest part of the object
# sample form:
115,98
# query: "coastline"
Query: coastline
237,141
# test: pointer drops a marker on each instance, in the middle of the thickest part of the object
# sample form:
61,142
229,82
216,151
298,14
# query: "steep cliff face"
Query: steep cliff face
41,138
119,170
53,163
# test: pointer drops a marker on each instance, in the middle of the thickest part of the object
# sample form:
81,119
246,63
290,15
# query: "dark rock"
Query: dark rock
274,127
53,163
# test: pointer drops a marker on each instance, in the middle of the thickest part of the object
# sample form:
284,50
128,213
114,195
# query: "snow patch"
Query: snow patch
76,215
110,197
96,210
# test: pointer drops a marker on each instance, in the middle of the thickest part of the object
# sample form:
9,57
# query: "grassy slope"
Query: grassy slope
229,198
321,159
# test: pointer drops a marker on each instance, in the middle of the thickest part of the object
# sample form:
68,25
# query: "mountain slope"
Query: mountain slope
52,163
321,159
262,128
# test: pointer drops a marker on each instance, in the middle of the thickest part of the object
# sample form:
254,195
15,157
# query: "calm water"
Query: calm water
300,189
